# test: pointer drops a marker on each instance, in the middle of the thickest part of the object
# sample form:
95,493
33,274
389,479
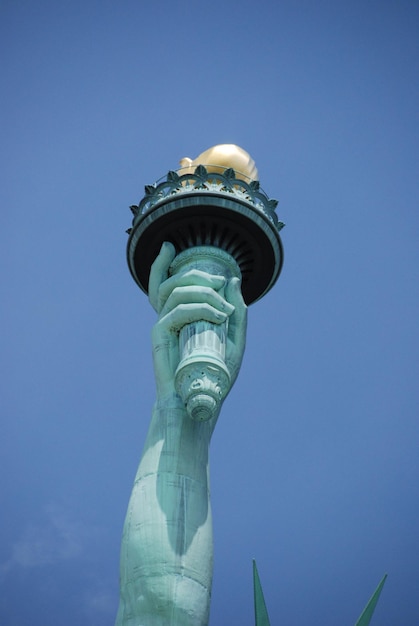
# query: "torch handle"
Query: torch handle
202,378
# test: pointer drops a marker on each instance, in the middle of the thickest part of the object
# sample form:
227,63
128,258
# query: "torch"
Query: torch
220,221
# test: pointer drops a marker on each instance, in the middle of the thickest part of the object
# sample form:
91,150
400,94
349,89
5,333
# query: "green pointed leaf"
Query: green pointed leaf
366,614
229,173
272,204
261,613
280,226
134,208
254,185
128,231
149,189
172,176
201,171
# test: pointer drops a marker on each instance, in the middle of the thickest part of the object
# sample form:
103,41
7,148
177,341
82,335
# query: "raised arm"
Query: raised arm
166,556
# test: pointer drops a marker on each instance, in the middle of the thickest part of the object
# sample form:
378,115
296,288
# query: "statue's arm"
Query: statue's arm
166,556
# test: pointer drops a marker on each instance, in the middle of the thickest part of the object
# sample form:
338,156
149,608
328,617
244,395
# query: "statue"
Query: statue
204,245
166,556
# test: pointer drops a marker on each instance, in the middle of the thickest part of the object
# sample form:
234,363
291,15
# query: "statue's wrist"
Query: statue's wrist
167,398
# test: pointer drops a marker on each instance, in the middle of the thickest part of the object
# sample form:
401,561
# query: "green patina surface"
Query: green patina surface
201,180
166,555
366,614
261,612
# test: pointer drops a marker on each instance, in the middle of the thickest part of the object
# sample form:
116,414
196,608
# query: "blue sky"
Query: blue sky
314,462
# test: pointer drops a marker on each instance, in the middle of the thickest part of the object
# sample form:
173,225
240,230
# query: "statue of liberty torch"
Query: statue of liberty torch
204,244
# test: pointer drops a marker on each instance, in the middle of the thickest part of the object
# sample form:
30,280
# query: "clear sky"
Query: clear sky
315,459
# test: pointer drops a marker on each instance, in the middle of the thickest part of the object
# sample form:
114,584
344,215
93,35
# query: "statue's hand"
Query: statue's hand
185,298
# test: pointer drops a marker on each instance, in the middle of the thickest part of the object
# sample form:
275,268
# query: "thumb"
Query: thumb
159,272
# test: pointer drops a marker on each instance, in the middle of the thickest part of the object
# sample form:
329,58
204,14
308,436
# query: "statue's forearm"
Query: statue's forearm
166,558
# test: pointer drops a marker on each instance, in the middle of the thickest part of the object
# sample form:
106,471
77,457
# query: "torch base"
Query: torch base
202,385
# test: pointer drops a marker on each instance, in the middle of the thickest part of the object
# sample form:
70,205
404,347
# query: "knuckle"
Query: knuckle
195,273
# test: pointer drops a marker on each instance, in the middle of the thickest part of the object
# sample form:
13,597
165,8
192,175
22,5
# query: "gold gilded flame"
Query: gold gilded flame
221,157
